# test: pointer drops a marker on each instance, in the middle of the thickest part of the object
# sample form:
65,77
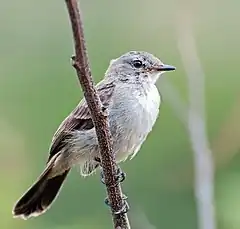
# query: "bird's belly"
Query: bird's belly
137,121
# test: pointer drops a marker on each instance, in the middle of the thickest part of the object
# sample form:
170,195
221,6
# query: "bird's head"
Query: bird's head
138,65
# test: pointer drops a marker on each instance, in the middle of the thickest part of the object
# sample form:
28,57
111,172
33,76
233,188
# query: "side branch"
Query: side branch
100,119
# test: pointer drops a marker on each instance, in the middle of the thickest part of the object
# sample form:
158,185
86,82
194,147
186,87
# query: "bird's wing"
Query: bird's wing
80,118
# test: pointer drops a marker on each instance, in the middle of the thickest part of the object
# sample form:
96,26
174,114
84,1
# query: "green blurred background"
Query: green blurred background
38,88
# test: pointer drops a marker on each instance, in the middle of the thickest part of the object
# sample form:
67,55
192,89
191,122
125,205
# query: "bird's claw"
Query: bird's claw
102,177
125,206
120,176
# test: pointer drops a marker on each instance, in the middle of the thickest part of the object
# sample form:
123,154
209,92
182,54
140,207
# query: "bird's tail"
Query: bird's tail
41,194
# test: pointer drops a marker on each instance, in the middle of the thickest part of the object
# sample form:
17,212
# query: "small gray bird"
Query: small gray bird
129,93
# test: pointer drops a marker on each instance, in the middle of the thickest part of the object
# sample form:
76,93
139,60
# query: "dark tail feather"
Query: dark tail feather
40,196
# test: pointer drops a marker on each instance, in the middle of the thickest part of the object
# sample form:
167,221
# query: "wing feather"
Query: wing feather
80,118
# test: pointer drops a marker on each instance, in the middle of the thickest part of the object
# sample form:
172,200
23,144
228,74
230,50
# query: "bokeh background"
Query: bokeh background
38,88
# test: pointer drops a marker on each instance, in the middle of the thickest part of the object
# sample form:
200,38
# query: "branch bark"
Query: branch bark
99,117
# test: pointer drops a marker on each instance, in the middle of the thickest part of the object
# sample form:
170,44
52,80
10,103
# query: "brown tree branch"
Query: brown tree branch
100,119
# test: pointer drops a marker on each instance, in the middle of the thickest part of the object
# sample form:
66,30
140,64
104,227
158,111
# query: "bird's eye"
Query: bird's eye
137,63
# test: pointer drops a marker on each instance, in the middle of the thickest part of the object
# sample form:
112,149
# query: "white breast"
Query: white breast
138,116
150,104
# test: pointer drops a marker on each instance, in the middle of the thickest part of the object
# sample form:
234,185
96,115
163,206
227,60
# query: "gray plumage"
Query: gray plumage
132,100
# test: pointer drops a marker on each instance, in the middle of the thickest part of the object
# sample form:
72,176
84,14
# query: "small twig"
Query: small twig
203,161
100,120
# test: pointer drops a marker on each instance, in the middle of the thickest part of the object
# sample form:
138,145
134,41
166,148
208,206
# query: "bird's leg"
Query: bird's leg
120,176
125,206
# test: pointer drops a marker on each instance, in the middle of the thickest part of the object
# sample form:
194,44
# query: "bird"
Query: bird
128,92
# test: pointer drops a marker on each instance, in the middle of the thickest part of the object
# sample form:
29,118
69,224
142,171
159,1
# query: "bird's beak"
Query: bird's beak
164,68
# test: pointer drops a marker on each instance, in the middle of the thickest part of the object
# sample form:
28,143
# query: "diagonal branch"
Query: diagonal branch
100,119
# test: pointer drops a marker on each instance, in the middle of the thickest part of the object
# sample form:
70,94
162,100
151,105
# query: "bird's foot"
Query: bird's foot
120,176
125,206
